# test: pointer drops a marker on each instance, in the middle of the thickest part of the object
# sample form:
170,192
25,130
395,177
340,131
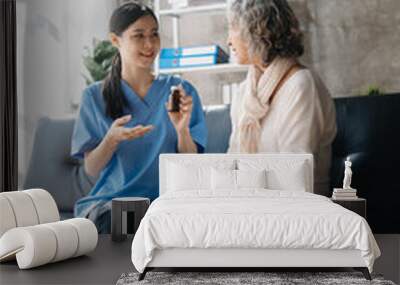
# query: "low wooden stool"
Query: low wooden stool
120,208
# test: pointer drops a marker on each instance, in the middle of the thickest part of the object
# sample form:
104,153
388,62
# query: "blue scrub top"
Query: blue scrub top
133,168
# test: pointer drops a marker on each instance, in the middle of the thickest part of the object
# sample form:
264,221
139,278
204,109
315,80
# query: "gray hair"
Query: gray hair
269,26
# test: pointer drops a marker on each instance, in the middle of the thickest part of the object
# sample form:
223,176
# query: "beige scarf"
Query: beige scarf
259,89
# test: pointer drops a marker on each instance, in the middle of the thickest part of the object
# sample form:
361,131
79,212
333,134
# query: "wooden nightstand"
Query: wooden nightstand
358,205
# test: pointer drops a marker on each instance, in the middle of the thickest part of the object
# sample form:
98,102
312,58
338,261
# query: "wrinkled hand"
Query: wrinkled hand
181,119
118,133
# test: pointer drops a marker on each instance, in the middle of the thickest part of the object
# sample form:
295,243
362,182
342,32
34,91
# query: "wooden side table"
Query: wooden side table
358,205
120,208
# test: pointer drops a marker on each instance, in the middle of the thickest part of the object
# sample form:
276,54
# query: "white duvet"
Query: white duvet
250,219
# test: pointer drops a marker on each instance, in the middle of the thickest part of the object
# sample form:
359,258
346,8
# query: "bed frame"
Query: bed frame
249,259
245,259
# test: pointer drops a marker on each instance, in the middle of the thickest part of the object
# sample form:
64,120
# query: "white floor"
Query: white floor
389,262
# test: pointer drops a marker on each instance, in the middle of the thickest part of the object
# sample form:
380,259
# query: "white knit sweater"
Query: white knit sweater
301,119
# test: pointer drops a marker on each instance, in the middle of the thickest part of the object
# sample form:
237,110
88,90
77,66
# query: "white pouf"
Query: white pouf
46,207
26,208
23,209
7,218
37,245
32,233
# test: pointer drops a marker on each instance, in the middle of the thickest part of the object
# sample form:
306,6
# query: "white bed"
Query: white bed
202,220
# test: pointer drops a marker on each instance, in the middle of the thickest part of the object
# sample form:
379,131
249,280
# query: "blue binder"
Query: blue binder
193,51
192,61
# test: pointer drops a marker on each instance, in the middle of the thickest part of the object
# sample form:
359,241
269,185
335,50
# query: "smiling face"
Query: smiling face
238,45
139,44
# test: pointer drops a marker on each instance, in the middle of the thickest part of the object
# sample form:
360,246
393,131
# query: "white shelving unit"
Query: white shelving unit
175,14
196,9
218,68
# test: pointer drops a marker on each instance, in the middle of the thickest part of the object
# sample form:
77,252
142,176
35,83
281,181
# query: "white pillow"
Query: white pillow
293,179
251,178
183,177
225,179
195,174
280,174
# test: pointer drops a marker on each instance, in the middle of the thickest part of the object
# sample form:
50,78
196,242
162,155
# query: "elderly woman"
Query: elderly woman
282,106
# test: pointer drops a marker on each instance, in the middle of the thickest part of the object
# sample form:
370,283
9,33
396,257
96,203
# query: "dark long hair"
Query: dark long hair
121,19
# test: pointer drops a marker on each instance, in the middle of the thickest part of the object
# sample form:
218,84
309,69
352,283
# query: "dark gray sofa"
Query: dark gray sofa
368,132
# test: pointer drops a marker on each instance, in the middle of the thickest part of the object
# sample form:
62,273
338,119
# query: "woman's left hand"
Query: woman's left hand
181,119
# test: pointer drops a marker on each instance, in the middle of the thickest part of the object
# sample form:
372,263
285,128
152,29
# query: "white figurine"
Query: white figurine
347,174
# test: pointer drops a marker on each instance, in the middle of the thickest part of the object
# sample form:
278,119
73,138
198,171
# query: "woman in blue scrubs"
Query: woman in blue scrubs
124,122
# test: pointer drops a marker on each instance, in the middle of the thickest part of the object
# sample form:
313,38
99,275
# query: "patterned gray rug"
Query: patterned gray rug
244,278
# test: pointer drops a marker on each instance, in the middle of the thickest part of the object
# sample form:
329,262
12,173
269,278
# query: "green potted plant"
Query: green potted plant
373,90
98,60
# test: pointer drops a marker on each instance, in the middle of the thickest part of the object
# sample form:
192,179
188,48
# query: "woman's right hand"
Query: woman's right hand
118,133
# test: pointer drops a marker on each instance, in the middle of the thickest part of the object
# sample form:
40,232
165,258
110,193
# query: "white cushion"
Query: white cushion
66,237
192,176
223,179
31,246
45,206
281,174
251,179
226,179
26,208
290,179
23,208
7,218
34,244
87,235
181,177
40,244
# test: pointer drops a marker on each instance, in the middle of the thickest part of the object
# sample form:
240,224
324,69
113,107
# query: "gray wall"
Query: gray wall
352,44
